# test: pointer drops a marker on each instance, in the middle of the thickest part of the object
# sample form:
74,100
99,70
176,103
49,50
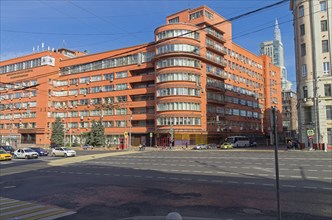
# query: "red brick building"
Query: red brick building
191,85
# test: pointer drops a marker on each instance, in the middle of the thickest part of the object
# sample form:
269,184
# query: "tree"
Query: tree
57,132
97,134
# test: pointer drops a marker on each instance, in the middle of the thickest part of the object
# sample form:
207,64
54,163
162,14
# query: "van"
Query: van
238,141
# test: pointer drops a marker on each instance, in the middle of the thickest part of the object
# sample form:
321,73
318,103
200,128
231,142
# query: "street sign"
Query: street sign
125,134
310,133
151,134
310,137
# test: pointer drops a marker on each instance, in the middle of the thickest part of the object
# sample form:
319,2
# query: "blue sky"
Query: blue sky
101,25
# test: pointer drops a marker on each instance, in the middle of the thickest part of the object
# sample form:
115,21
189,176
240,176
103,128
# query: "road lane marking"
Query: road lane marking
310,187
289,186
232,182
249,183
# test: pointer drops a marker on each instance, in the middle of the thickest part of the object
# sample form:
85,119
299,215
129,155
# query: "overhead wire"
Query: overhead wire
173,38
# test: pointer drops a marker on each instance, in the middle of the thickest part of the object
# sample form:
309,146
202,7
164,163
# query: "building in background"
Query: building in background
275,50
191,85
313,36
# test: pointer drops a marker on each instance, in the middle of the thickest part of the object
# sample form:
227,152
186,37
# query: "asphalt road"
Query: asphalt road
215,184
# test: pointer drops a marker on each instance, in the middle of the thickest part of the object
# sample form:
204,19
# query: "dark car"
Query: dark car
8,149
40,151
54,145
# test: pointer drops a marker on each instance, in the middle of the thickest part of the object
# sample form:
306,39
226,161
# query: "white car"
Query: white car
26,153
63,152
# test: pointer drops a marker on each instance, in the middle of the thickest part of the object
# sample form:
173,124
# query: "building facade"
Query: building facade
289,115
191,85
313,36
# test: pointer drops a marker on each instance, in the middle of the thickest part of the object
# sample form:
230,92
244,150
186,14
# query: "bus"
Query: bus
238,141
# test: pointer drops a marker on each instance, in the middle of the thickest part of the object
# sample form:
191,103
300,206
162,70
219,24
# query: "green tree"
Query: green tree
97,134
57,132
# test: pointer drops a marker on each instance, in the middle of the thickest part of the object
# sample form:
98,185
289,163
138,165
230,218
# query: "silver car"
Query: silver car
200,147
63,152
26,153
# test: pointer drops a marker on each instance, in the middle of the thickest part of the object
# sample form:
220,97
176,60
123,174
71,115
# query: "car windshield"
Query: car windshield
28,150
2,152
8,148
66,148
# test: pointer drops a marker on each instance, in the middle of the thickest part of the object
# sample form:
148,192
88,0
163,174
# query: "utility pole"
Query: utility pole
274,128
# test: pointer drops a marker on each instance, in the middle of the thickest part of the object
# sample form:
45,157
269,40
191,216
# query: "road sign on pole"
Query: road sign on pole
310,133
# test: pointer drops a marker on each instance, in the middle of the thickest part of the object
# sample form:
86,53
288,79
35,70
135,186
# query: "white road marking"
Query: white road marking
232,182
289,186
295,176
310,187
249,183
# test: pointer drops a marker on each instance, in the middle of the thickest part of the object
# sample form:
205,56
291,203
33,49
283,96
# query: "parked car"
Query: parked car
4,155
63,152
200,147
87,147
54,145
40,151
8,149
226,145
253,144
212,146
26,153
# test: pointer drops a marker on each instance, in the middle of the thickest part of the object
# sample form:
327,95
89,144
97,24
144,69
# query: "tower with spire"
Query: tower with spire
275,50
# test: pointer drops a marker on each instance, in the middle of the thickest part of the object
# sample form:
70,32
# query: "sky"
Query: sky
103,25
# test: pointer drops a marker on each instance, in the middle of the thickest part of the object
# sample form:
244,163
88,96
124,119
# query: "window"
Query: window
326,68
302,30
307,115
325,46
327,90
329,112
304,70
173,20
322,5
301,11
121,74
305,92
303,50
323,25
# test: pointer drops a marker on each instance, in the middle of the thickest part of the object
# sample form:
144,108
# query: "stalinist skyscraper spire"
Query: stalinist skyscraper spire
275,50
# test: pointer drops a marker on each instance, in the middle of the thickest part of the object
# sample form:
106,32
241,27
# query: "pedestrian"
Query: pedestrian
186,145
289,144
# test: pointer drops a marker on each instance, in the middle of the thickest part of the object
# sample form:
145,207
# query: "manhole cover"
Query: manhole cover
252,211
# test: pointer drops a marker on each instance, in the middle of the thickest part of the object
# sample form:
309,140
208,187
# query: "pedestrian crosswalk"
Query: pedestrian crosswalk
11,209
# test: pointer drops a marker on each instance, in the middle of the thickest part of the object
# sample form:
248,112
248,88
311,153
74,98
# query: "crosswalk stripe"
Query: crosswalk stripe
11,203
9,212
15,209
20,213
48,214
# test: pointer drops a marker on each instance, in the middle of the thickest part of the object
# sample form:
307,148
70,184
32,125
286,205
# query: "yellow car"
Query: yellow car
4,155
226,145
